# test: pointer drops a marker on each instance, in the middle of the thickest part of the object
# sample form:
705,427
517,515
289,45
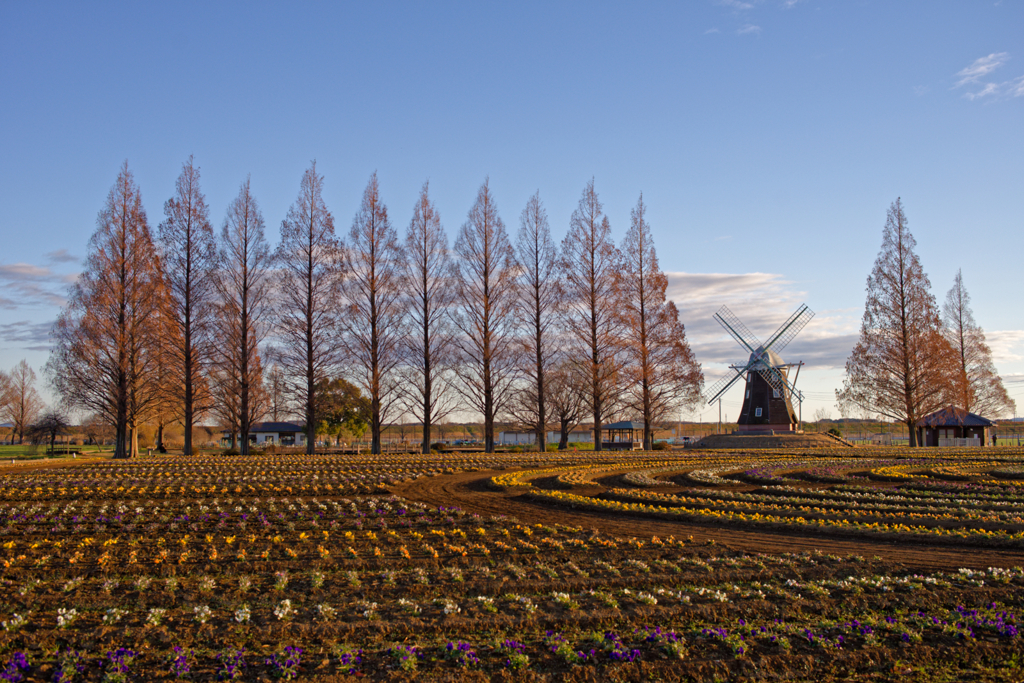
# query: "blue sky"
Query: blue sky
768,138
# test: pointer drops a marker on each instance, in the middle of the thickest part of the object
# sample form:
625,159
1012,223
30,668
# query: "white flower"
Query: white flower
283,610
113,615
15,622
242,614
202,613
65,616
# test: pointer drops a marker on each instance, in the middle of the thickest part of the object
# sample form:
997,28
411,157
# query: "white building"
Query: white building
277,433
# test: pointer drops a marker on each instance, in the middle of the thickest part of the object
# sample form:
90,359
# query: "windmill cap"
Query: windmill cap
769,356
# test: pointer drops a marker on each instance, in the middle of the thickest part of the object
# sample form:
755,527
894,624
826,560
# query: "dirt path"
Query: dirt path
469,491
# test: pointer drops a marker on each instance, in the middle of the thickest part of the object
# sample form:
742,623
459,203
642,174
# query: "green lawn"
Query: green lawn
29,452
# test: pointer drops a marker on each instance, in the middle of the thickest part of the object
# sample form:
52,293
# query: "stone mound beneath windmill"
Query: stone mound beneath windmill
744,441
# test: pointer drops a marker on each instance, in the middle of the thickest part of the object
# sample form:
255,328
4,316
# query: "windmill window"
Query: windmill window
757,412
748,393
775,393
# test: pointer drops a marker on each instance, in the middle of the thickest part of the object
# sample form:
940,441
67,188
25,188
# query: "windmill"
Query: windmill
768,399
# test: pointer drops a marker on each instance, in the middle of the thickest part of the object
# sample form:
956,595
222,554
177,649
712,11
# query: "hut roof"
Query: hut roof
951,416
624,425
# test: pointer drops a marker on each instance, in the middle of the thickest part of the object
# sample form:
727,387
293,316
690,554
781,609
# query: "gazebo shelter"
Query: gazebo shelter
953,426
621,436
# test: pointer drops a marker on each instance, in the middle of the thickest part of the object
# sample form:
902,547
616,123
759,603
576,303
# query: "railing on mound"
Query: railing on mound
838,439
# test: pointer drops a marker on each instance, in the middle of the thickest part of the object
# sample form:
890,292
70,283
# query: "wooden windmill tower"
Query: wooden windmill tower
769,392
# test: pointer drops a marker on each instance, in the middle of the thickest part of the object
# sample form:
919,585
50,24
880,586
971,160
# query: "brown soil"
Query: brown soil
776,441
17,467
470,491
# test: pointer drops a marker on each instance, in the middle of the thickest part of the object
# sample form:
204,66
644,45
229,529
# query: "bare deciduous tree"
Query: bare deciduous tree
540,295
484,283
243,286
374,295
901,366
567,398
21,403
660,369
309,259
103,359
822,415
189,258
589,261
52,424
429,299
977,386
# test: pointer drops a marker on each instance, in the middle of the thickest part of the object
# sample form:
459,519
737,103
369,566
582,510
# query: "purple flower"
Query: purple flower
14,670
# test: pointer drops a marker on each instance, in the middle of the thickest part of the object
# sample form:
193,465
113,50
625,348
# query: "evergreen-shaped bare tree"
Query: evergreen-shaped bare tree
374,317
902,364
977,386
660,369
309,261
484,283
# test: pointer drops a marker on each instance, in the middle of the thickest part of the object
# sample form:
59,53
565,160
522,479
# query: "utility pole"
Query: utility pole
719,430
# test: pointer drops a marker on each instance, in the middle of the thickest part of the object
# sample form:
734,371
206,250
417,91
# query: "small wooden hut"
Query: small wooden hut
952,426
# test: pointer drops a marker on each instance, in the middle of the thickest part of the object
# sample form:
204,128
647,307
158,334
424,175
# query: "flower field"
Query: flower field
296,567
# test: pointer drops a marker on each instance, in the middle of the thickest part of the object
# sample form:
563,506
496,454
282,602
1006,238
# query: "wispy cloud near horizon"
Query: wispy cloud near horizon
762,301
34,286
25,335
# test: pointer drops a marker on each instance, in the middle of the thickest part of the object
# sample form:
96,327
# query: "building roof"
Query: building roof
264,427
951,416
624,425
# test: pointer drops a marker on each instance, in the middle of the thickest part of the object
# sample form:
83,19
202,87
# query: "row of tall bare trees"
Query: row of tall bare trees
911,358
180,326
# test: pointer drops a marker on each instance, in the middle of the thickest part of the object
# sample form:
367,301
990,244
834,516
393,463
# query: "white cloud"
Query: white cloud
33,285
25,335
920,90
1016,88
1007,346
790,4
981,67
61,256
711,30
747,28
975,74
989,89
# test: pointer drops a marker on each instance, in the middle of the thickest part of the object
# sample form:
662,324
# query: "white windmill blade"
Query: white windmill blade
728,320
722,385
789,329
778,381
